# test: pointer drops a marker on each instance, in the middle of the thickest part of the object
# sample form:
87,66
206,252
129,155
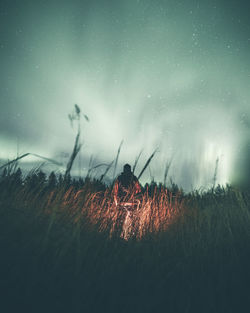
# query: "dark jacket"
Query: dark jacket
126,184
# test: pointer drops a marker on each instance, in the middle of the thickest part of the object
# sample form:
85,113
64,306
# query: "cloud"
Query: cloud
141,74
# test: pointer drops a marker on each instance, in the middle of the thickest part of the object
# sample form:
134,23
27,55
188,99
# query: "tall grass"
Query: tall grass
63,249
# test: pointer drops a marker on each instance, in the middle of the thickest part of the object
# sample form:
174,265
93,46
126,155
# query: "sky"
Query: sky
167,75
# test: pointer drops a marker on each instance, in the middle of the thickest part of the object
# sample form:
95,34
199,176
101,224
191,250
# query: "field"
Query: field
63,248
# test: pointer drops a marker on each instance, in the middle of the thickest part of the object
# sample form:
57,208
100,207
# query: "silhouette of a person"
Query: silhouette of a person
126,184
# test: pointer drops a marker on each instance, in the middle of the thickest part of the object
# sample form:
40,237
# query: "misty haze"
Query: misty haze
125,156
160,76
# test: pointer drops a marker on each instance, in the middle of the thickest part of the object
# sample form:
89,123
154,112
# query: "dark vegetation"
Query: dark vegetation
61,249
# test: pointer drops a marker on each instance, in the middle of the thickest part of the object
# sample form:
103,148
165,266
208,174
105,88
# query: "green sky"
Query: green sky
167,74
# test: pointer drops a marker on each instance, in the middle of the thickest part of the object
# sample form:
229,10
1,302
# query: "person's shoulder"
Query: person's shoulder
119,177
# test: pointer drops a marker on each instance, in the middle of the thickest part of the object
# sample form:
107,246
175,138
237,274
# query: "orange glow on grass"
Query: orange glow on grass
98,210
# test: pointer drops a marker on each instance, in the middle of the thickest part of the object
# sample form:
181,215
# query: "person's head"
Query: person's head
127,169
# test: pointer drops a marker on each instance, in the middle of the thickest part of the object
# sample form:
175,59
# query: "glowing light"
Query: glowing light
151,214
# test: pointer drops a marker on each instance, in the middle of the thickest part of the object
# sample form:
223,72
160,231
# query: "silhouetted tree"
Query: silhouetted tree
16,177
52,181
60,180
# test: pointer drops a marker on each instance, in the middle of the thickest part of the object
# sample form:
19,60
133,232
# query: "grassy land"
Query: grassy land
62,251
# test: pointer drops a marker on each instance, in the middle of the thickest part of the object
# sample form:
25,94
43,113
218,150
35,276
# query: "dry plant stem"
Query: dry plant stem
76,149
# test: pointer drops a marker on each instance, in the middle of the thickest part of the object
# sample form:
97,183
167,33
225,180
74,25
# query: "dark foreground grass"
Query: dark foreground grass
56,258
